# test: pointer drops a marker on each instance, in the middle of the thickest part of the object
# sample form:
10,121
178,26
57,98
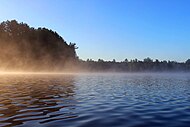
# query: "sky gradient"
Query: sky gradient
111,29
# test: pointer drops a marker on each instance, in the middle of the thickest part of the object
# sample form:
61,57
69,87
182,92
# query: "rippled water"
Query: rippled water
95,100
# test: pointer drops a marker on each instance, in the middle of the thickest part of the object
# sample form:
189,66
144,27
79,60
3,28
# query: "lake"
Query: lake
95,100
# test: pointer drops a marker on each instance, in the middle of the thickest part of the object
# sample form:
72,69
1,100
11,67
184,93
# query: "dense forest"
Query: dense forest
29,49
147,65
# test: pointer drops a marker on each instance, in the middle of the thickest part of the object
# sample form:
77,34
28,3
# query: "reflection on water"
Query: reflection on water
41,98
95,100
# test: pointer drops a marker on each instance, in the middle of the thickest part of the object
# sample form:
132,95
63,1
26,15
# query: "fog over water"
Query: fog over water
44,83
126,63
28,49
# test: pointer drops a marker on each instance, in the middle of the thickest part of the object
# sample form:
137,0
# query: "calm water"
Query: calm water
95,100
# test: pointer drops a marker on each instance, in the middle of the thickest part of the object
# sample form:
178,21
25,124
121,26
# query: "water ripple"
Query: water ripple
95,100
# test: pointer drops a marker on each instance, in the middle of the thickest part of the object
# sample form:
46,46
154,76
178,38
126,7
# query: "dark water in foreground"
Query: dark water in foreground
95,100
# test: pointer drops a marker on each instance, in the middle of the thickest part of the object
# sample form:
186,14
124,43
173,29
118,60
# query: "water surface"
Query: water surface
95,100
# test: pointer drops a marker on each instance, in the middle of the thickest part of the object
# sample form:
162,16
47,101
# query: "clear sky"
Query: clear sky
111,29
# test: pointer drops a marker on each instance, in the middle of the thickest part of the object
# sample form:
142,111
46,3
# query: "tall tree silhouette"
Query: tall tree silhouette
23,46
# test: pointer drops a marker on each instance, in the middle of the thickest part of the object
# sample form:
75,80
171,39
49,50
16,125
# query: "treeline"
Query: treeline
26,48
147,65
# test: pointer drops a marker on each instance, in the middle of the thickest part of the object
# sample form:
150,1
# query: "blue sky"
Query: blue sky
111,29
